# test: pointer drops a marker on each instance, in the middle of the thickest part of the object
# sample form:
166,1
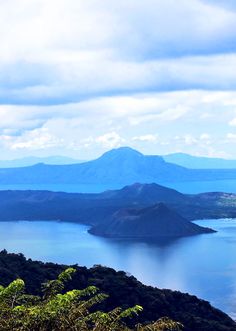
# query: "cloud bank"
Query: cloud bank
78,77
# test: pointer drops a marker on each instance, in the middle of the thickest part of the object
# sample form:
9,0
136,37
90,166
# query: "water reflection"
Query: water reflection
203,265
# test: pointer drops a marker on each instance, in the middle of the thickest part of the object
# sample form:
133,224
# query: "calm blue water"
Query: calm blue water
190,187
203,265
228,186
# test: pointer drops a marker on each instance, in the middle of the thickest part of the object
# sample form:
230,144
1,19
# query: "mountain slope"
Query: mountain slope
33,160
119,167
197,162
95,208
145,194
153,222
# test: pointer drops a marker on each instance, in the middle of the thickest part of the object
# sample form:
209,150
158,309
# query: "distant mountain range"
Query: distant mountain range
32,160
116,168
181,159
105,209
199,162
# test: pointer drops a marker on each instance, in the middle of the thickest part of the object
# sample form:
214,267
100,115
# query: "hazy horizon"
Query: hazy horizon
75,157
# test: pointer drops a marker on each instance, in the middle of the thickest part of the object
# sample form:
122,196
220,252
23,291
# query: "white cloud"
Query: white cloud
84,76
154,26
189,139
233,122
146,138
90,127
156,114
72,80
32,140
110,140
64,50
205,136
231,137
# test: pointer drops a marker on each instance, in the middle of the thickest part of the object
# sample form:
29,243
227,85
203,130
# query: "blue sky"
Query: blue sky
80,77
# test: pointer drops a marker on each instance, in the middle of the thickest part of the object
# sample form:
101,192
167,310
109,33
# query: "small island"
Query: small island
155,222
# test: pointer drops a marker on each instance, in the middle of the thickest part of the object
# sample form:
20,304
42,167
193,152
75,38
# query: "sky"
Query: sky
78,78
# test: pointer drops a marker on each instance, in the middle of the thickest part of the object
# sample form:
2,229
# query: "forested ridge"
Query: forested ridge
122,290
56,309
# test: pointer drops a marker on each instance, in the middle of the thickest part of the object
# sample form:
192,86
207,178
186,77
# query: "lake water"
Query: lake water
184,187
203,265
228,186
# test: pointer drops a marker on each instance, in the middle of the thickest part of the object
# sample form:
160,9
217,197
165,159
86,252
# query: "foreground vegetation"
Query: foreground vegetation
122,291
72,310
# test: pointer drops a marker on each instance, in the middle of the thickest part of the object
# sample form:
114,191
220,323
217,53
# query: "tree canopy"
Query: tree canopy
57,309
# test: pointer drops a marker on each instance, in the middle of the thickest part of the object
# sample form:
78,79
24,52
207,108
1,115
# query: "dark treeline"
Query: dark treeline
123,290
